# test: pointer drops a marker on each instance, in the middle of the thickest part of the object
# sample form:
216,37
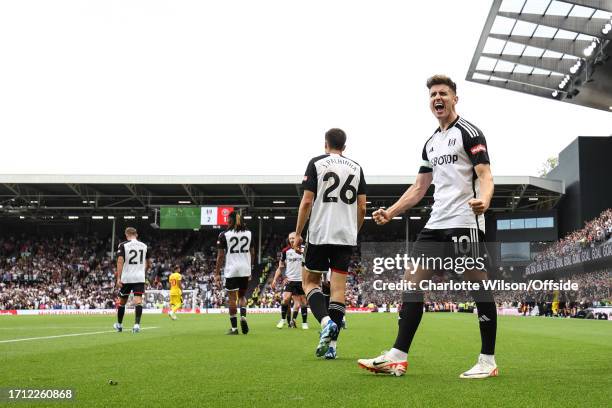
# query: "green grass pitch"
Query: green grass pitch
191,363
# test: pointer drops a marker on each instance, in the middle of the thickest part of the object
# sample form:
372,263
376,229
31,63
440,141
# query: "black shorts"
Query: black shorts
322,258
127,288
238,283
464,246
295,287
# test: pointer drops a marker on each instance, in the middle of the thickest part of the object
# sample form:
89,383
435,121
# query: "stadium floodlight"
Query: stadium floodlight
73,217
265,217
128,217
367,218
533,198
554,95
247,217
397,218
145,217
111,217
21,217
184,202
97,217
610,108
368,202
573,69
279,217
278,202
415,217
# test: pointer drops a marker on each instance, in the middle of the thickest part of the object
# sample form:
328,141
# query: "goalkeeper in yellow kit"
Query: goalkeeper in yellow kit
176,292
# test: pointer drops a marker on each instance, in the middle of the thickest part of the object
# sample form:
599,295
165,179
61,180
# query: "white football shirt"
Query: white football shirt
237,246
336,181
135,255
293,264
451,155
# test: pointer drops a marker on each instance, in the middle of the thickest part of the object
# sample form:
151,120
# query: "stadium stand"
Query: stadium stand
76,271
60,272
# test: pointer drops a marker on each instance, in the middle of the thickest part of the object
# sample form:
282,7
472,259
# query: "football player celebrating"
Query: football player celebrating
456,161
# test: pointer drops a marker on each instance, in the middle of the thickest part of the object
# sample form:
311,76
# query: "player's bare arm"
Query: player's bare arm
277,274
481,205
361,210
120,262
252,250
303,214
220,260
409,199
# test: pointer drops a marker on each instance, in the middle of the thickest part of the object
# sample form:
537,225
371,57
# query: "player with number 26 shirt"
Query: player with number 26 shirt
335,200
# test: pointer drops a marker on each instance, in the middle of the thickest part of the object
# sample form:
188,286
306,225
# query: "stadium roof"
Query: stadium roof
126,194
552,49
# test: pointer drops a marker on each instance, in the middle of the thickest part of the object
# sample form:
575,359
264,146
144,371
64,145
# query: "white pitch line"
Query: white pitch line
67,335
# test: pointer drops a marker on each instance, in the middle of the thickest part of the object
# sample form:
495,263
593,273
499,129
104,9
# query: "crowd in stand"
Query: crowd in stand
78,272
595,232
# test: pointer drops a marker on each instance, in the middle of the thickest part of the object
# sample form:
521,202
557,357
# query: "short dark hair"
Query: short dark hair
442,80
335,138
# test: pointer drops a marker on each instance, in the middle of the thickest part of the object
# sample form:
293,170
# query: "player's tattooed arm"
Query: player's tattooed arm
303,214
409,199
481,204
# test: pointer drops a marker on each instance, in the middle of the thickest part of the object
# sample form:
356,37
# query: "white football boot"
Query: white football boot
485,367
384,364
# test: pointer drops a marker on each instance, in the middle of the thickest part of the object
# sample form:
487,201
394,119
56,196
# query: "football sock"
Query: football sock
396,354
138,313
487,319
295,314
411,312
304,314
120,313
232,315
243,313
284,311
336,313
316,300
490,359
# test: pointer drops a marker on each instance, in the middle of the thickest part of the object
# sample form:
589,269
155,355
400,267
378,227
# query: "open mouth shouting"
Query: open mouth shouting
439,107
